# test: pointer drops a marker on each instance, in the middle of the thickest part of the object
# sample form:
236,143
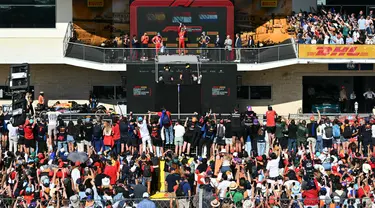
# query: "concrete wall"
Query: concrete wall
37,45
286,85
64,82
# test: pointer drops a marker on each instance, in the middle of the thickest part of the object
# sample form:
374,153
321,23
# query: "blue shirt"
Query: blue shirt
145,203
186,188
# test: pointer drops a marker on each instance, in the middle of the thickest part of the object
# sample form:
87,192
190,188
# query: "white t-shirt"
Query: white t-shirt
143,129
273,167
52,118
222,187
179,131
372,131
75,175
12,130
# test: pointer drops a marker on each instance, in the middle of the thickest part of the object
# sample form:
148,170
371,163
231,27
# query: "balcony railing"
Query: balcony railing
207,55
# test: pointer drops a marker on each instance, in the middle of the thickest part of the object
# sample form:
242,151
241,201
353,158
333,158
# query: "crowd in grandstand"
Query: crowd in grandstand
241,160
333,27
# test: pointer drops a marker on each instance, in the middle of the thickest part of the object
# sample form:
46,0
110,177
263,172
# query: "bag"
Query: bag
220,131
180,191
166,120
347,132
328,131
147,171
336,131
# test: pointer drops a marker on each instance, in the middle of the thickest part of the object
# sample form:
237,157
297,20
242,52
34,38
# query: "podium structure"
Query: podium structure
176,59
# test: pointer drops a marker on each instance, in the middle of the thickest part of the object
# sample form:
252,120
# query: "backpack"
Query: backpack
328,131
147,171
347,133
165,120
220,131
336,131
180,190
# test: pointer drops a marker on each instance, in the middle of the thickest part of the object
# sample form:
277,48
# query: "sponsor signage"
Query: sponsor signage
141,91
95,3
182,17
158,16
208,16
220,91
268,3
336,51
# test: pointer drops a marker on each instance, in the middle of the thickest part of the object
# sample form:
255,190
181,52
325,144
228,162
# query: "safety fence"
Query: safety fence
201,200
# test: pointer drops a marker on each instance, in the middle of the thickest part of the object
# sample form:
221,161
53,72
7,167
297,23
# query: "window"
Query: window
260,92
5,93
243,92
110,92
254,92
28,14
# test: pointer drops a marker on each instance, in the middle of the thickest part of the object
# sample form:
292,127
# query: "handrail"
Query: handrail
67,37
110,48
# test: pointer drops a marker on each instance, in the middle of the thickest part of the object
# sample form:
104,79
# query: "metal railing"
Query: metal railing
68,35
210,55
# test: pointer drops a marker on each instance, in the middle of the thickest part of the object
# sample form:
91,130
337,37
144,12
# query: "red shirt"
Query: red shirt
29,135
270,115
311,197
111,171
116,132
181,34
156,40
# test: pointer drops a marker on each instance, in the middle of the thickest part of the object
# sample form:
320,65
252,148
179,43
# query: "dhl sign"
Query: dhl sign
336,51
95,3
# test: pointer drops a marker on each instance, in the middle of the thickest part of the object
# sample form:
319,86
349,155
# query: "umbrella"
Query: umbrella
78,156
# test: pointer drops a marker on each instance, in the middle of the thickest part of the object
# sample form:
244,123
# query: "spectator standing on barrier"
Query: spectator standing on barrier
116,136
179,130
13,138
165,123
237,130
41,101
228,48
71,132
238,46
369,100
52,131
145,135
88,130
61,133
271,124
80,135
107,136
97,135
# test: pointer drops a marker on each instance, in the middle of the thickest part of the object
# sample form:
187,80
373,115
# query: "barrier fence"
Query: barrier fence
212,55
204,200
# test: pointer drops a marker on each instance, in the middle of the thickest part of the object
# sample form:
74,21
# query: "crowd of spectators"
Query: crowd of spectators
242,160
333,27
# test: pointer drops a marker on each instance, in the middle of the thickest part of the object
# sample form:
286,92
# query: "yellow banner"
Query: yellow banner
95,3
268,3
336,51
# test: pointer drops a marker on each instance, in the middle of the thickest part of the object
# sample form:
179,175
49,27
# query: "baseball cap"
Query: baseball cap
140,119
145,195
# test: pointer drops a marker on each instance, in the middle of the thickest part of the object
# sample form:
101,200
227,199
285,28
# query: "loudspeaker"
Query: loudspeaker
18,109
19,78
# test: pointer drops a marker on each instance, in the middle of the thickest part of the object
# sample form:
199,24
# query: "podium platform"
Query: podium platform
177,59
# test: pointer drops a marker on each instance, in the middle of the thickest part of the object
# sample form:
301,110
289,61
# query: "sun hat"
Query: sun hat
233,186
366,168
74,201
215,203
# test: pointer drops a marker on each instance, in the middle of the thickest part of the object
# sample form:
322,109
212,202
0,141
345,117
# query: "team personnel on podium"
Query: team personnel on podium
157,40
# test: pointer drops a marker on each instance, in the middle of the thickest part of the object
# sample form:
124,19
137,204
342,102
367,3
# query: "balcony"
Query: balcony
207,55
